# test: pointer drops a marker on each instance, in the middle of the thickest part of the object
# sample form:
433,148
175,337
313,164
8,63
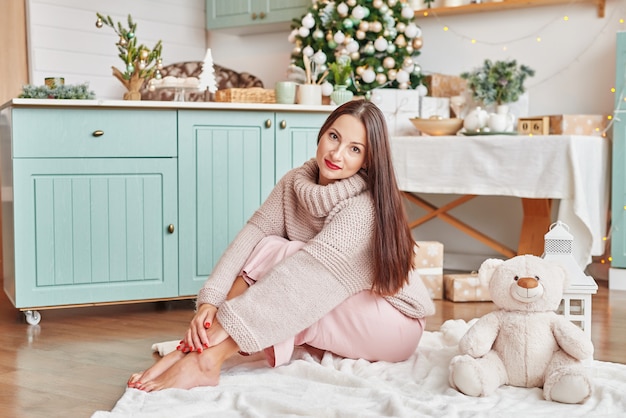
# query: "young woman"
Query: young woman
326,261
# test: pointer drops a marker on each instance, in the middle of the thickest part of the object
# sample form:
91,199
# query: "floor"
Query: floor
76,361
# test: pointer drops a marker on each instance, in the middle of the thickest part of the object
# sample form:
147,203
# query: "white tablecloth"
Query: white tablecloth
574,169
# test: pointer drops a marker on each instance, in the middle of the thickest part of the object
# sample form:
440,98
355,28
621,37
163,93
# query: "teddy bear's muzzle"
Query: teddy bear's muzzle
527,289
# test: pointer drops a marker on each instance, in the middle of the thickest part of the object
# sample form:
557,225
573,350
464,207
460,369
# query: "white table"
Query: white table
574,169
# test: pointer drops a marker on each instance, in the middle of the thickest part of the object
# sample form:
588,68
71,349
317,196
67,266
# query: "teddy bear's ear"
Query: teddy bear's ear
488,267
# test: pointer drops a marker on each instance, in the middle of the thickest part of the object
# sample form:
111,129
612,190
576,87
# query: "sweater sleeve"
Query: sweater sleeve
300,290
413,300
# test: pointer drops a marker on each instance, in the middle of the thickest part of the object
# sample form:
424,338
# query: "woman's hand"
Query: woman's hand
196,338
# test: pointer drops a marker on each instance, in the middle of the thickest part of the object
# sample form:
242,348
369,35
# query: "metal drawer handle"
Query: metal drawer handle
283,124
170,228
268,123
253,16
98,133
262,15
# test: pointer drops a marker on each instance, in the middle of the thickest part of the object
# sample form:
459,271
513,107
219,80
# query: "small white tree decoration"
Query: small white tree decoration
207,76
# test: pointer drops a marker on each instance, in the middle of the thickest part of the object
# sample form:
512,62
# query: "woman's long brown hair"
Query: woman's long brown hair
393,244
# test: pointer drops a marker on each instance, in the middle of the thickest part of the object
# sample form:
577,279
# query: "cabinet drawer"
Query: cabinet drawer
90,133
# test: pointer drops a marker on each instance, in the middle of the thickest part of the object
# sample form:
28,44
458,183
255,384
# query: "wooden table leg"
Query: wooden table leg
441,213
535,225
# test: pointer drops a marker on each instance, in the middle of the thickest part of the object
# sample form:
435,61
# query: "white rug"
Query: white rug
338,387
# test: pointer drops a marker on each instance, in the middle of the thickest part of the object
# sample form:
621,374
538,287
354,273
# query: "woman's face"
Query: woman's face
341,150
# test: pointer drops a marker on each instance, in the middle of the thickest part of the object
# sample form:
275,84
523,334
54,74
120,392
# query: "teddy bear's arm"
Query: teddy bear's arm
479,339
571,338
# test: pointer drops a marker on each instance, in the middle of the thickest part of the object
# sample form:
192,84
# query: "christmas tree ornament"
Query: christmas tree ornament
381,78
417,43
360,35
389,62
318,34
347,24
339,37
351,3
391,74
381,44
364,26
376,26
342,9
358,12
308,21
141,63
377,4
422,90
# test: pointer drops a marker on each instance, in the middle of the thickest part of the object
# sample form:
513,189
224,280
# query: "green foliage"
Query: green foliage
375,19
341,70
497,82
79,91
137,58
428,2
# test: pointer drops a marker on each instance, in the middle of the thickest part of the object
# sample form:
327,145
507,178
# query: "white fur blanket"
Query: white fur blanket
338,387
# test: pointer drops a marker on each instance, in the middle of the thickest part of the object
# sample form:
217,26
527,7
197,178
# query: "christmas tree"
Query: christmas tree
379,36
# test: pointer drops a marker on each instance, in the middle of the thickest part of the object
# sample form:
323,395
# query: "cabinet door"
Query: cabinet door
237,13
94,230
226,170
296,139
618,238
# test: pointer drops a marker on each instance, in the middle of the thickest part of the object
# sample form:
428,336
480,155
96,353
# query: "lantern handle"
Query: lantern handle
559,223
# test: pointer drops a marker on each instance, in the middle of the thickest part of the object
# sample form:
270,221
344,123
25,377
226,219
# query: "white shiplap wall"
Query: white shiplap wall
64,41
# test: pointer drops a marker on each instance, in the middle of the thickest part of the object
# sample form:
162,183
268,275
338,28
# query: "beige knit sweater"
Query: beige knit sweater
336,222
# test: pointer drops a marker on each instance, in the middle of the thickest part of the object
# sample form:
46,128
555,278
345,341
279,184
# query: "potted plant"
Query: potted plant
342,77
499,82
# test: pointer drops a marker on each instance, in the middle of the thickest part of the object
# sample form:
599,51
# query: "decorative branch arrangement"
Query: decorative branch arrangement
141,62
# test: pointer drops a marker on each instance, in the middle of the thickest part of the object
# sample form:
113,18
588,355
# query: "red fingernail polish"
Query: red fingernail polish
199,350
206,345
178,347
207,324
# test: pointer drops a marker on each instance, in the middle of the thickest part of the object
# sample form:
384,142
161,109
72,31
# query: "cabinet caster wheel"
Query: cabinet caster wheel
32,317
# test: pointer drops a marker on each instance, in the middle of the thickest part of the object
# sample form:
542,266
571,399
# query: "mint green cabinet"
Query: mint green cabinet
618,210
90,208
229,163
250,13
106,205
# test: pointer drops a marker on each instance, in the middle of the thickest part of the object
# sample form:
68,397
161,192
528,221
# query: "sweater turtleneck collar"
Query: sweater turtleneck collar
320,200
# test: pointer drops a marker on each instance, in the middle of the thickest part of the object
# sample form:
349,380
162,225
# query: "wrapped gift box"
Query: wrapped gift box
466,288
399,106
429,265
591,125
442,85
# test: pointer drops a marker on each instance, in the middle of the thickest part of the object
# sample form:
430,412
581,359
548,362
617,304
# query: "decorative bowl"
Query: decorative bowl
437,126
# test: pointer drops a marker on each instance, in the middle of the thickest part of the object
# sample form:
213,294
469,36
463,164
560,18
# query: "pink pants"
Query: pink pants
363,326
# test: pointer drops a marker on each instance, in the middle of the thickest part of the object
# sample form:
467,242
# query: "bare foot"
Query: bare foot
194,369
189,372
155,370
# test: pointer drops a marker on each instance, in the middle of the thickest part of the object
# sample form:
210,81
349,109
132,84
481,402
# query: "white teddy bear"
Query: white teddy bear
524,343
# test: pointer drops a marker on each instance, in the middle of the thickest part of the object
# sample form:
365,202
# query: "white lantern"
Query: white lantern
576,303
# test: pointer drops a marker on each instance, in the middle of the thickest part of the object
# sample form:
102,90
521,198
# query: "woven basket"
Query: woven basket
248,95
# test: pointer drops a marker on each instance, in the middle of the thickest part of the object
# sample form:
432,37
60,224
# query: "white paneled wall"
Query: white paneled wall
64,41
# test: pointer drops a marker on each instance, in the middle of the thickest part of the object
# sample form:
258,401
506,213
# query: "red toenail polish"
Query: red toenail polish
207,324
199,350
206,345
